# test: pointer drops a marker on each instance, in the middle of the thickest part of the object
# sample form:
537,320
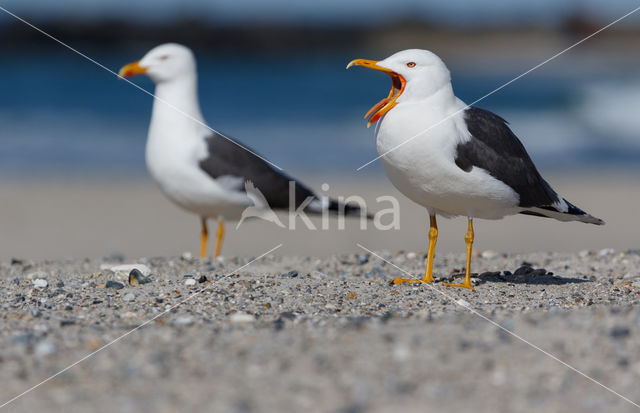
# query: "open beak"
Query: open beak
132,69
397,87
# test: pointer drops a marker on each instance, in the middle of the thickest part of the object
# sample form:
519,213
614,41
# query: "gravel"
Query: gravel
333,337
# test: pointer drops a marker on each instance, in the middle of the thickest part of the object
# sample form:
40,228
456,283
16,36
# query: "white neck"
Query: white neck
176,104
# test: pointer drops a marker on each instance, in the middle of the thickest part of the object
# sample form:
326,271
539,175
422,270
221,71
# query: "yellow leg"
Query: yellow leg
468,238
428,273
219,236
203,239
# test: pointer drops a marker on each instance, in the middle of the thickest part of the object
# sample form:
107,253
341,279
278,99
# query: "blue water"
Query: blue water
61,114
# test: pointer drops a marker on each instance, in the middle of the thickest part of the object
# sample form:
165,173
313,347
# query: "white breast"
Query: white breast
175,146
424,167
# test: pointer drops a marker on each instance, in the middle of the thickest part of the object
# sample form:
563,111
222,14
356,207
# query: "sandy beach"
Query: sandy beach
323,334
314,325
99,217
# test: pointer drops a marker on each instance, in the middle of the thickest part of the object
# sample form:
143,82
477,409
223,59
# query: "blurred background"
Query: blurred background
72,174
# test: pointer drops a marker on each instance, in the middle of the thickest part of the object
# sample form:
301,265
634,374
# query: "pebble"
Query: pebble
136,277
203,279
619,332
190,281
114,284
411,255
489,254
44,348
606,251
123,271
362,259
288,315
128,297
40,283
291,274
524,270
183,321
462,302
241,318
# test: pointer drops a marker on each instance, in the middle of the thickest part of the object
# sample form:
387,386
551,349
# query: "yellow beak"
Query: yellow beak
398,84
132,69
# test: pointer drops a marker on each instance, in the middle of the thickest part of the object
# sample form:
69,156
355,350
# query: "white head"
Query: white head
415,75
164,63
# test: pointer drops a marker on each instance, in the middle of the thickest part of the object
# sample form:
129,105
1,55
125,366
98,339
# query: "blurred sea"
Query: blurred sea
60,114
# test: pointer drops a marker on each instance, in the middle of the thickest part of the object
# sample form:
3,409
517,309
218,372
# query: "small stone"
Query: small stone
35,312
352,295
114,284
136,277
183,321
241,318
524,270
67,322
40,283
629,276
584,253
190,281
362,259
203,279
291,274
123,271
411,255
489,254
288,315
462,302
60,284
619,332
606,251
44,348
128,297
187,256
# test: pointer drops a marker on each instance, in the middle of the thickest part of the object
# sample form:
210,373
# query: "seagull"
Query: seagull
451,158
202,170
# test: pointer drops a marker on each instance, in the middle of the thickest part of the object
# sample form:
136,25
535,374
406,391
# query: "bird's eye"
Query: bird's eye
411,64
165,57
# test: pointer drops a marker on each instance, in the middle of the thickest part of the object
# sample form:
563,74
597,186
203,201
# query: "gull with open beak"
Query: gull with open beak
201,170
453,159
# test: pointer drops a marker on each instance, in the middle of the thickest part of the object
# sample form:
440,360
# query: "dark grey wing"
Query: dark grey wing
496,149
233,165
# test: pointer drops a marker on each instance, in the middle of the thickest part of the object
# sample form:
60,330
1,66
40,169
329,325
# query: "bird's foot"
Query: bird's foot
397,281
465,284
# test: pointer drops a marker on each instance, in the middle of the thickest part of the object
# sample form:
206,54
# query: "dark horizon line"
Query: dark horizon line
266,35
